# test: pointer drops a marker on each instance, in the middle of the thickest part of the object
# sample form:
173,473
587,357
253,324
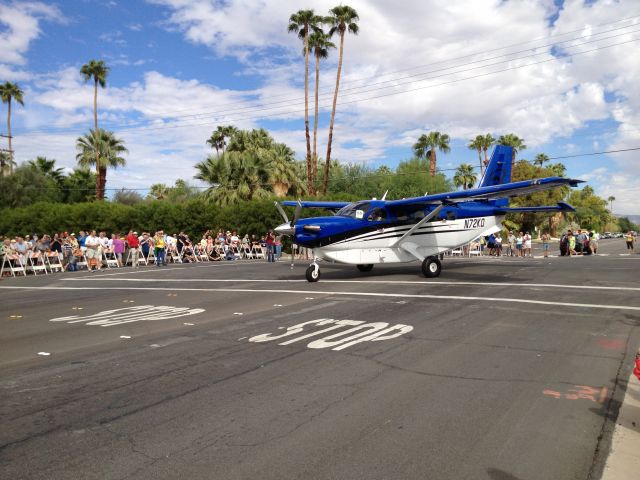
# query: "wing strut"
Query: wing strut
432,214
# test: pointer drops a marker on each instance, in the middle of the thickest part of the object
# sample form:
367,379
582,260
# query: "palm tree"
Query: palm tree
341,19
217,141
427,144
6,164
487,142
158,191
464,177
320,43
513,141
102,149
48,168
9,91
301,23
611,199
234,176
476,144
282,170
97,71
540,159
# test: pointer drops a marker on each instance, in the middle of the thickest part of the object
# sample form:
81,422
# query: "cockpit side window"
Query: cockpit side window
377,215
354,210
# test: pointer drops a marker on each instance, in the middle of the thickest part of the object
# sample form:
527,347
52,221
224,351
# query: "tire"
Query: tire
431,267
312,274
365,268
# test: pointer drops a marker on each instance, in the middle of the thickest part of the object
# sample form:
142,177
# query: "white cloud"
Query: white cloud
540,103
21,25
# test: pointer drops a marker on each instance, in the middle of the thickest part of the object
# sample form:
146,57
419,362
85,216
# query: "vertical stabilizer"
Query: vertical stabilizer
499,169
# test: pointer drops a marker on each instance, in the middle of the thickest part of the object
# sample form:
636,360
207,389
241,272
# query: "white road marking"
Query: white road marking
372,282
362,332
352,294
188,324
277,305
125,336
44,354
119,316
238,313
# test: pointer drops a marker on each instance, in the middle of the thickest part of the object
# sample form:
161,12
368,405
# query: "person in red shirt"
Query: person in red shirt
133,244
271,245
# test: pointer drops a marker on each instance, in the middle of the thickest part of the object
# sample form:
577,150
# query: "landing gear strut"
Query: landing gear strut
431,267
313,272
365,268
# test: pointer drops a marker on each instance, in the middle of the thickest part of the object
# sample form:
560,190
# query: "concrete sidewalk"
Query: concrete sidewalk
623,462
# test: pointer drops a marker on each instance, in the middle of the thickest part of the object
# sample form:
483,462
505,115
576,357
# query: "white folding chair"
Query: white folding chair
259,252
36,263
13,265
110,258
475,249
53,262
82,261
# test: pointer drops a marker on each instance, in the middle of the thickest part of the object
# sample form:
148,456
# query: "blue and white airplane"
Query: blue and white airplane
371,232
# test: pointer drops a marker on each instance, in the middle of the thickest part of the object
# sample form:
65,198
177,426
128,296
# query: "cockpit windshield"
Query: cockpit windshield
354,210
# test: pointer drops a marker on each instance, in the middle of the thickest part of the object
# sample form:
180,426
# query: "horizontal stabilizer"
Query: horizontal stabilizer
561,207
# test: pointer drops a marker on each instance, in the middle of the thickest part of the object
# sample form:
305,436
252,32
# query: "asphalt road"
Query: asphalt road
501,369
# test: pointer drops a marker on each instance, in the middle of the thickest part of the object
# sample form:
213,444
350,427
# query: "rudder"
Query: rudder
499,169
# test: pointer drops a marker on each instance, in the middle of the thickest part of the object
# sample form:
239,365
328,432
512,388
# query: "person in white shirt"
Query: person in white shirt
92,243
527,245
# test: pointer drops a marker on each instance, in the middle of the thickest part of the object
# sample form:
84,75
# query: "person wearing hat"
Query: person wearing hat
133,245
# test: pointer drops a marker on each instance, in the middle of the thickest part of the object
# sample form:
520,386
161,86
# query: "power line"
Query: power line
354,177
358,90
347,102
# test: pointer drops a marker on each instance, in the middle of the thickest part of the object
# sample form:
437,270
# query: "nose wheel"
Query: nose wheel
431,267
313,273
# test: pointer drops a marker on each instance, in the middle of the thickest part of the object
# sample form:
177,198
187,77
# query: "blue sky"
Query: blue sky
564,76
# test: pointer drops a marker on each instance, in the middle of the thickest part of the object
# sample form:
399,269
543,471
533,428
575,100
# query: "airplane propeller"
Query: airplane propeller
288,227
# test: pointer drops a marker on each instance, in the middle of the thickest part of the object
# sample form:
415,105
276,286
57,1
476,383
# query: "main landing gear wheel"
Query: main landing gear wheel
313,273
365,268
431,267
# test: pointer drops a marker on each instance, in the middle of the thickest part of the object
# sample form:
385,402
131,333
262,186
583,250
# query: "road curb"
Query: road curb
623,462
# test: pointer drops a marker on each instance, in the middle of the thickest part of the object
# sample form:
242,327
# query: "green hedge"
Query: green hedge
194,217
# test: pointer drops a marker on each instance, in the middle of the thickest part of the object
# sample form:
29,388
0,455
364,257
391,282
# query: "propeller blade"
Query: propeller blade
296,213
282,212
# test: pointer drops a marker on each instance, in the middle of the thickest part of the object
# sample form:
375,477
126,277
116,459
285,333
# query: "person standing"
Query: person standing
519,243
545,244
527,245
278,246
593,242
133,244
92,244
629,239
158,242
572,243
270,241
511,239
118,247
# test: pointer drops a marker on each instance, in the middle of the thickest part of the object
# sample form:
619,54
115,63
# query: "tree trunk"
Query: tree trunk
101,181
513,159
310,179
432,162
99,190
486,160
280,189
9,134
480,161
315,123
327,161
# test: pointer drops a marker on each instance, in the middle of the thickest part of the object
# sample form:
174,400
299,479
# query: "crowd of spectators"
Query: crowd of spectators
97,250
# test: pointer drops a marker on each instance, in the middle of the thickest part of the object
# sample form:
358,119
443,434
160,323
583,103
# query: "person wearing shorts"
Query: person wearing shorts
545,244
92,244
519,241
629,238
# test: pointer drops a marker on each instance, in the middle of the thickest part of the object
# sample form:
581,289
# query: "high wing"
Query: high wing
493,192
326,205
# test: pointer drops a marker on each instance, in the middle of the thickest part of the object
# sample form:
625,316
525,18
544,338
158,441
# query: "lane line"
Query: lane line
352,294
368,282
